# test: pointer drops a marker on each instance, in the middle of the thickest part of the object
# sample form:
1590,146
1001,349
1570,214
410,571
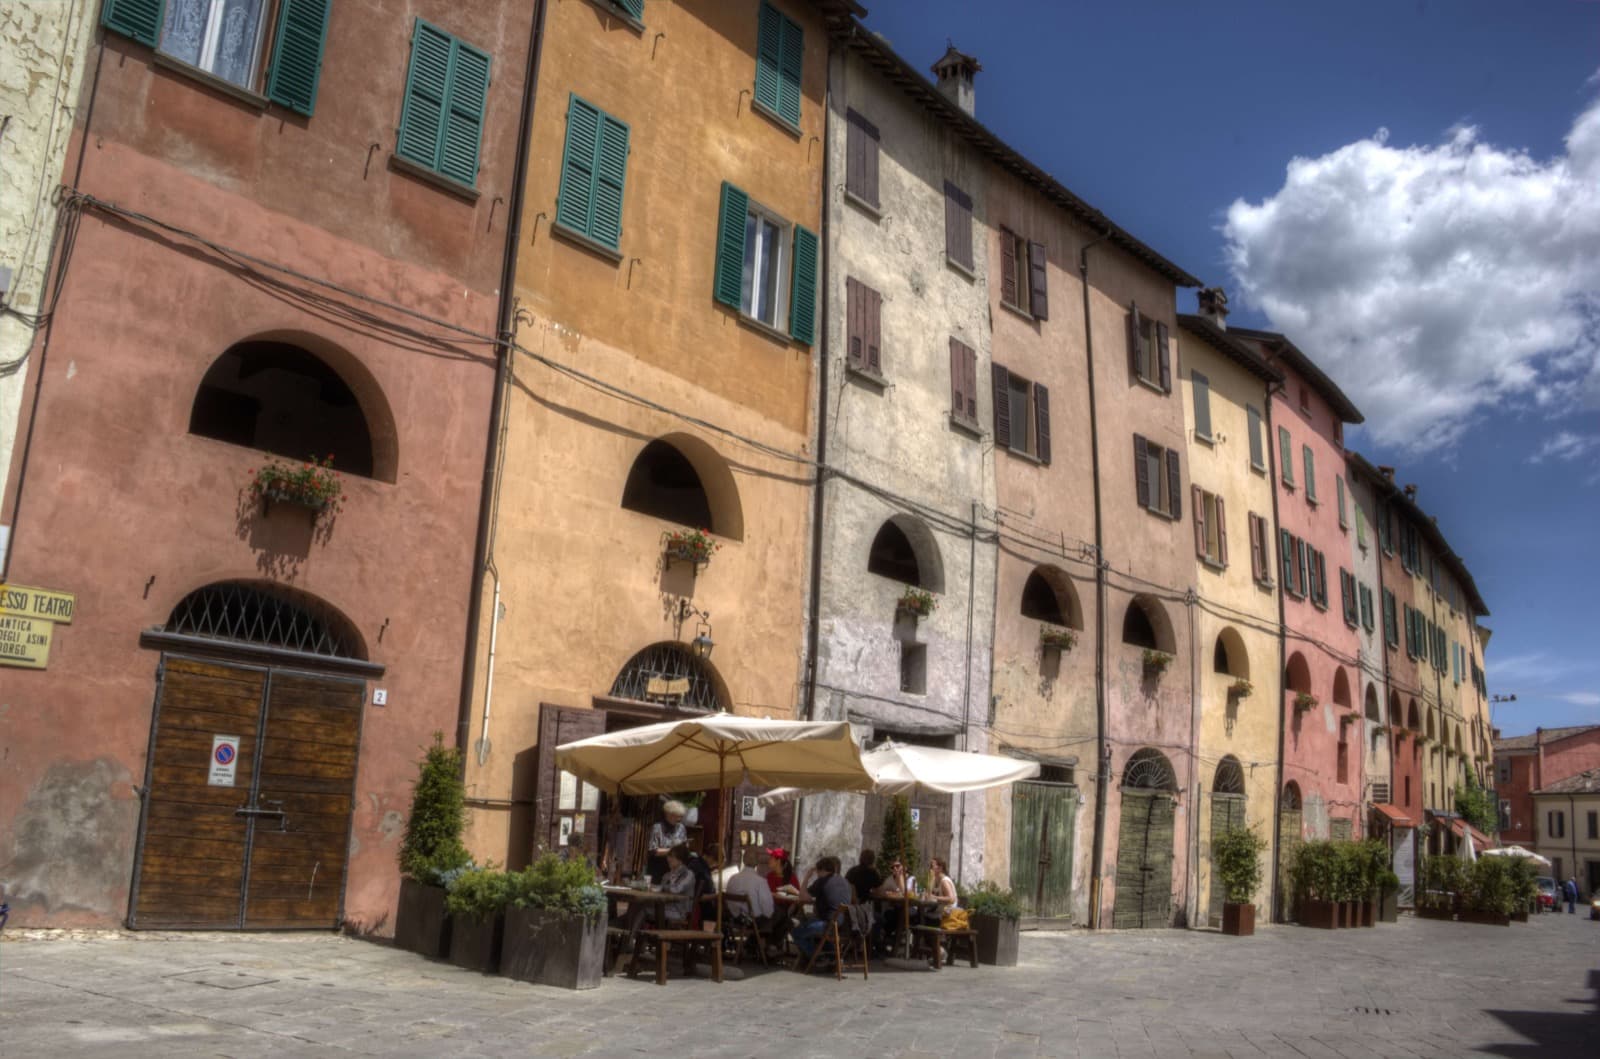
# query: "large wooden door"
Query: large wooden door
1227,811
1043,825
1144,861
1290,822
268,849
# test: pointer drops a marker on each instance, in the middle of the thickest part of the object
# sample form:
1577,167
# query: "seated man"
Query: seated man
751,884
864,877
828,892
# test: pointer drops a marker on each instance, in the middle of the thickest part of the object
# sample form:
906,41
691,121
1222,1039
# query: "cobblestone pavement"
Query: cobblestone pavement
1416,988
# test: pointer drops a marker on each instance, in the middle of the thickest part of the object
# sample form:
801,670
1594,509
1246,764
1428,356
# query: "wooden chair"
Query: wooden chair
739,927
846,937
937,936
690,940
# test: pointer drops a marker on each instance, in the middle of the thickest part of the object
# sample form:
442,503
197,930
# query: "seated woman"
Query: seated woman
941,888
679,879
899,884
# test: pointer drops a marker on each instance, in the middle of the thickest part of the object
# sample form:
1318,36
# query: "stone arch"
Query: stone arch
1297,674
1432,728
269,615
680,478
1229,655
1048,595
1149,770
1291,796
297,395
1396,717
1413,721
1145,624
904,549
669,674
1341,688
1229,777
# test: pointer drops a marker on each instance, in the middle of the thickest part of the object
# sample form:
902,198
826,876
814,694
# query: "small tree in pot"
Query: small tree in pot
1316,881
431,852
476,901
555,931
996,915
1236,858
1525,888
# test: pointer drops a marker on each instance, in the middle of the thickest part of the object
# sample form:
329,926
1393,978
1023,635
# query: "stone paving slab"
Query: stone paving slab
1419,988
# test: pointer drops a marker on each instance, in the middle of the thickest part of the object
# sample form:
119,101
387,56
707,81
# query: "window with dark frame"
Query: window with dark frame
1260,567
1210,527
1021,414
957,226
913,668
1149,354
1023,275
861,159
1157,478
863,328
963,383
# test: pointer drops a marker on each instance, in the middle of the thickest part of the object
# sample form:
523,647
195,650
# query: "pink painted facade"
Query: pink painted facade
123,505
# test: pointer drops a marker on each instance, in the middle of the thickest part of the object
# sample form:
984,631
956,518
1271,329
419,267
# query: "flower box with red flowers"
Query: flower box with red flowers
313,485
690,546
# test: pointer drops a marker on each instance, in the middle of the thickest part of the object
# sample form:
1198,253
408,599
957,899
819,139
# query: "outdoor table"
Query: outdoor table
906,901
638,901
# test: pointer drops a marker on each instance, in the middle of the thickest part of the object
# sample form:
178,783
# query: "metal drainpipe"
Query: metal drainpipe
1278,896
966,694
504,329
1193,900
814,623
1102,748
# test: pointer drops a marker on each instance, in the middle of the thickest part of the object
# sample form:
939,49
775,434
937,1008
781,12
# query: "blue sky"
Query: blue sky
1436,248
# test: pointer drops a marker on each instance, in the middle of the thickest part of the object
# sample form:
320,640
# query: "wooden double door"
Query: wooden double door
256,836
1043,823
1144,860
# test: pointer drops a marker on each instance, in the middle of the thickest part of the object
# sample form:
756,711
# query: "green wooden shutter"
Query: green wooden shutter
1202,404
427,84
731,219
803,287
1311,472
633,7
1286,554
575,199
769,56
139,19
792,64
463,120
1257,457
611,177
297,54
1338,482
1286,451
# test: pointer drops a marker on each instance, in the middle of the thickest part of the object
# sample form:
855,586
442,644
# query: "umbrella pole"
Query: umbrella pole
722,816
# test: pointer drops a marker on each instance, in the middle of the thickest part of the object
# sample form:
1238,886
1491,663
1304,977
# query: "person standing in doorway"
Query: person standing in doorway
1570,891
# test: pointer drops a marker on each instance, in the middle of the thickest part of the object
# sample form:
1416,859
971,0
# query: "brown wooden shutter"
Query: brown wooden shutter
1141,470
1008,267
1038,294
957,225
874,330
855,323
1174,484
1164,356
958,378
1199,521
969,373
1222,533
1134,324
861,158
1256,558
1002,406
1041,422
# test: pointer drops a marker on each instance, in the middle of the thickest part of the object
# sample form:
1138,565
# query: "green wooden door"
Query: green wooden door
1144,861
1043,825
1227,811
1289,831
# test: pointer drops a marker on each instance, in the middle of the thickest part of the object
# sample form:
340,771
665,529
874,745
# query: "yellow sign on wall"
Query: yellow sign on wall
24,642
24,602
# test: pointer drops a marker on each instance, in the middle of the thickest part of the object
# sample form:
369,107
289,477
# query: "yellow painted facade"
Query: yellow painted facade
582,583
1235,608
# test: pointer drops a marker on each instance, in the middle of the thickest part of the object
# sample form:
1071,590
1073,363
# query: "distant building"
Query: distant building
1567,827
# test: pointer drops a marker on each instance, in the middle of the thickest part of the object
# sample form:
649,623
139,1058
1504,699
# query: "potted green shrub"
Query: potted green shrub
996,914
1524,887
1316,879
555,927
1155,662
1491,892
431,851
916,602
1388,896
476,900
1443,885
1375,866
1236,858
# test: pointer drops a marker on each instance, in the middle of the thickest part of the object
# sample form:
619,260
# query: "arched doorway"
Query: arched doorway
1144,842
1291,824
1227,812
250,777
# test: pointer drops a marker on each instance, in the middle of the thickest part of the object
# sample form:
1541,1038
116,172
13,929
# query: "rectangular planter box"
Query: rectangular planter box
1389,907
475,943
1493,919
1368,911
1323,915
997,940
551,948
1238,920
421,924
1430,912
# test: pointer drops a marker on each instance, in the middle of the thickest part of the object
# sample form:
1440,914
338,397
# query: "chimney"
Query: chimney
1411,492
1387,472
955,72
1214,306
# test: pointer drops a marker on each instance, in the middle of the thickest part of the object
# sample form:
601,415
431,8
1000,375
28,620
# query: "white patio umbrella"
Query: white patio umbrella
898,768
717,753
1519,853
1464,850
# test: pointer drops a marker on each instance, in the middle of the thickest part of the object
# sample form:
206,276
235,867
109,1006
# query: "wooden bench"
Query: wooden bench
688,939
936,936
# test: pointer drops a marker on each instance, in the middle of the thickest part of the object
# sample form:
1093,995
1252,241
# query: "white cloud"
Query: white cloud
1580,698
1435,282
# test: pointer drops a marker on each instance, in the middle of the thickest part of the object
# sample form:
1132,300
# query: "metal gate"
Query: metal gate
263,844
1227,811
1144,860
1043,826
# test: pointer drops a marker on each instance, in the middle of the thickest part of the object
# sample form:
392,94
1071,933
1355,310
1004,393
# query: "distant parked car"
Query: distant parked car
1547,893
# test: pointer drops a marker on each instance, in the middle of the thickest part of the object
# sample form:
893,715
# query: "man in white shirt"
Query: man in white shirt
752,885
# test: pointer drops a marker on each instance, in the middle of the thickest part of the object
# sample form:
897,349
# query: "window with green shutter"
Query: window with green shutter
441,119
766,267
594,170
1258,457
1202,405
228,40
1311,473
1338,481
1286,456
780,55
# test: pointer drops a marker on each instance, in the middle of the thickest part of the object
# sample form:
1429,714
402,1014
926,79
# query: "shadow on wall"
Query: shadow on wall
1556,1035
72,849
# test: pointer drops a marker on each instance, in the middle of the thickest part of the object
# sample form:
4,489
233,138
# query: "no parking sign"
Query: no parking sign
224,760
